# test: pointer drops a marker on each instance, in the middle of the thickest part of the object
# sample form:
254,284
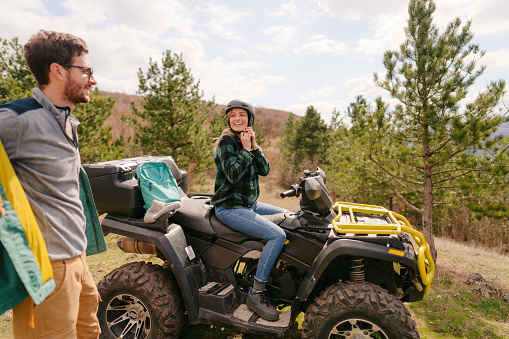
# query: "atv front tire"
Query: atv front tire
357,310
140,301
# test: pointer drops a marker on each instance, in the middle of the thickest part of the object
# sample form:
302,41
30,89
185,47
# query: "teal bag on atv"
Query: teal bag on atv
157,183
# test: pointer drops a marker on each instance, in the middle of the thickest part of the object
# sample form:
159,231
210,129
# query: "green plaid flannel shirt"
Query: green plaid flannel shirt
237,171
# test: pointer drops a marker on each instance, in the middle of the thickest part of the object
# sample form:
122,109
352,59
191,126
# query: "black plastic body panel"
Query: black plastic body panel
172,245
346,247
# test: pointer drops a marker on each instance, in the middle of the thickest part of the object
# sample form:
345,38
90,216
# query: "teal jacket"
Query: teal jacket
95,238
20,274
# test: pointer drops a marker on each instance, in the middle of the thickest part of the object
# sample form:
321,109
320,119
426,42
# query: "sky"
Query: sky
285,55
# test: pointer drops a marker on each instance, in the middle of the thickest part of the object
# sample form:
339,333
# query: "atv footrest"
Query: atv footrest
244,313
216,288
217,297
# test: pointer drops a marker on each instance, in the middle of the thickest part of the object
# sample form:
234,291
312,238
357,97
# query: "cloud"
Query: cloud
312,94
356,10
385,18
489,18
320,44
118,59
193,51
237,51
496,59
285,10
281,35
155,16
223,21
227,79
280,38
364,86
388,35
34,14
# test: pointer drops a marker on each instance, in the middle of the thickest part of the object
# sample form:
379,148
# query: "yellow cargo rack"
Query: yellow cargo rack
399,223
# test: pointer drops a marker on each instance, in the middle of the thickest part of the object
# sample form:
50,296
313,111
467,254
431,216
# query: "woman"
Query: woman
239,160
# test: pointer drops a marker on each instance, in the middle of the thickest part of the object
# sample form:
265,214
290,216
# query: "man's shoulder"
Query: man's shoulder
21,106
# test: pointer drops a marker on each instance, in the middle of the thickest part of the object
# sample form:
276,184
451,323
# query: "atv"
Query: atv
348,267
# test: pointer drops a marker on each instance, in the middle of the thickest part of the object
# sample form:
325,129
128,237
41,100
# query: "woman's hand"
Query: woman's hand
252,135
245,138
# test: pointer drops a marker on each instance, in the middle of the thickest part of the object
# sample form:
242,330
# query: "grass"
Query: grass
452,310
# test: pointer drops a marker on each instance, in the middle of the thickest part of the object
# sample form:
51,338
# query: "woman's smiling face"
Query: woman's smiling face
238,119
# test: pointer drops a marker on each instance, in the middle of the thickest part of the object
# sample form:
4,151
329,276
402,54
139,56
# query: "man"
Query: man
40,139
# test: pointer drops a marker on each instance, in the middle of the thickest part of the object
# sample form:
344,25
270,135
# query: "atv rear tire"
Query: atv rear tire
357,310
140,301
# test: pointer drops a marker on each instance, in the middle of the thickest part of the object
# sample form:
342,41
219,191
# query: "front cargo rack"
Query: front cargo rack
347,221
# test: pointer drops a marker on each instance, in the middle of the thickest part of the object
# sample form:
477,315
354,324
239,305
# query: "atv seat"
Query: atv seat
197,216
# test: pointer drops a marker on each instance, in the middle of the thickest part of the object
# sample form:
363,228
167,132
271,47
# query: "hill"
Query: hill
270,121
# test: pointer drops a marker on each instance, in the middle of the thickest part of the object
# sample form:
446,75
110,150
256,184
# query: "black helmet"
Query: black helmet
238,103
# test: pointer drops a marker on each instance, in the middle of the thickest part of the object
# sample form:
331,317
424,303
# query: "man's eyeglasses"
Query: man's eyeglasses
89,70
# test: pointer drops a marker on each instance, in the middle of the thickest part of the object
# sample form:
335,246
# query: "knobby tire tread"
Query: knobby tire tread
367,299
158,290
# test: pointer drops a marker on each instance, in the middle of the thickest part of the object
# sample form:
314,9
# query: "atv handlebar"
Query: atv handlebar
293,192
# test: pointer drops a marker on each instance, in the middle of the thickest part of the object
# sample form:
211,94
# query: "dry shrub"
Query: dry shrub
487,232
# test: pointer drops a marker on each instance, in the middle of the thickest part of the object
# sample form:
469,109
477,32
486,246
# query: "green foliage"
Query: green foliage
172,115
217,124
433,148
352,172
305,143
16,80
95,140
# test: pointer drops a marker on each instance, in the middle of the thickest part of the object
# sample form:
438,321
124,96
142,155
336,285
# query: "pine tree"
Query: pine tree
305,143
16,80
352,175
95,139
172,115
433,142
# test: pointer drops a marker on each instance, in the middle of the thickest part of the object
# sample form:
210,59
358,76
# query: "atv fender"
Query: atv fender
348,247
173,247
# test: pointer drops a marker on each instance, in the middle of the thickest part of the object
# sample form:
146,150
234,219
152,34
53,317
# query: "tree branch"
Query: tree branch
453,177
435,151
391,174
403,199
442,203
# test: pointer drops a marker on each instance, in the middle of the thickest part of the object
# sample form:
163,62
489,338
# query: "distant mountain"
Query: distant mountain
503,129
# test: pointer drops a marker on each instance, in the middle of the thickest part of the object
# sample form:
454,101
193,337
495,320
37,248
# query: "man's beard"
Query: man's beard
75,92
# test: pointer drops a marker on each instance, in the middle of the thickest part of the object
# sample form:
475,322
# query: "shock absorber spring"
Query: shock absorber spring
357,269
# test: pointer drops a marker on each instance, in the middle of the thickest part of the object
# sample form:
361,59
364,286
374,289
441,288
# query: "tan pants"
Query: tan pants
70,311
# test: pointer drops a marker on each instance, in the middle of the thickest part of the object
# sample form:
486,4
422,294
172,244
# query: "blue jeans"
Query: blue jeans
252,223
